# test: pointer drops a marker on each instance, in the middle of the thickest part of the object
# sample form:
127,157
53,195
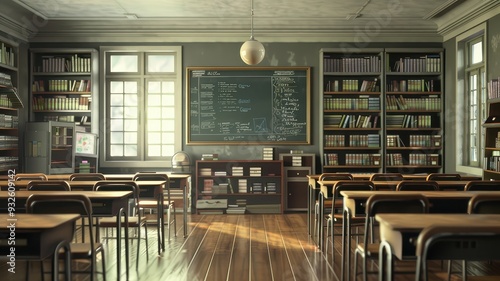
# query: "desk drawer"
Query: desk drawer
298,172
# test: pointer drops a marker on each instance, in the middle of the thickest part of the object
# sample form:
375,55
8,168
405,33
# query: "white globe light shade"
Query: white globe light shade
252,52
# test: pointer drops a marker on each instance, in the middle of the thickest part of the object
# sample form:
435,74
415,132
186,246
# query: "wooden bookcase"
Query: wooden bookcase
351,81
491,165
64,86
296,184
234,182
9,104
413,103
382,102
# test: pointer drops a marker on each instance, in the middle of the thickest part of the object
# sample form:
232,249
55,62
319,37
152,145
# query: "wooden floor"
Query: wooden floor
231,247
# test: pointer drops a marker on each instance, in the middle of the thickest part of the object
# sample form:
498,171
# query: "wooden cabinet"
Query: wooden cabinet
229,185
9,104
413,111
64,86
351,81
296,168
50,147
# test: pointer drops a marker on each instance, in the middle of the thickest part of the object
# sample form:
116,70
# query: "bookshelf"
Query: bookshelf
9,104
296,184
351,81
64,86
239,186
491,165
50,147
413,106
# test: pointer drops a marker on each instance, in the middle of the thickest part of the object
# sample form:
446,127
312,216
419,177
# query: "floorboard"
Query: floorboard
258,247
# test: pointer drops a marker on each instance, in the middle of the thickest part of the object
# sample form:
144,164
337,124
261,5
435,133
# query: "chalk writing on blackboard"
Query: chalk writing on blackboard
254,105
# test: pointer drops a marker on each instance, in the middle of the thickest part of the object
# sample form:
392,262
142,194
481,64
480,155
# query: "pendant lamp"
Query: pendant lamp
252,51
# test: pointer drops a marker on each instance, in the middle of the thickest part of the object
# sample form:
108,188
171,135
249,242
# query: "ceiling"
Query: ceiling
227,20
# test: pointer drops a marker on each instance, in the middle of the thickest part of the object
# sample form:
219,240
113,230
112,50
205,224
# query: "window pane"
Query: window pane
116,125
160,63
116,137
124,63
116,100
116,150
130,150
477,53
168,87
131,87
154,87
116,87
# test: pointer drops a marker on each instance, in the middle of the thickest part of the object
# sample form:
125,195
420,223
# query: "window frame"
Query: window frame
144,76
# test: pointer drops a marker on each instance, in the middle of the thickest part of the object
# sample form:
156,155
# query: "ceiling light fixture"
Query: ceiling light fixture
252,51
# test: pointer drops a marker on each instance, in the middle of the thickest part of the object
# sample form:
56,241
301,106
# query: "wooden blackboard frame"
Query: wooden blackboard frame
303,138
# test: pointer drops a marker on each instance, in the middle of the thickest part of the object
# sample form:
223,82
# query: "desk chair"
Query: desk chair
327,204
135,219
149,201
378,204
386,177
450,243
87,177
31,176
337,214
479,185
53,185
417,185
71,203
443,177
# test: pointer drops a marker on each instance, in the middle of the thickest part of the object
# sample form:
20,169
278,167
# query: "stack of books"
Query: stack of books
221,188
271,187
267,153
255,171
239,208
205,172
210,156
220,173
257,187
237,171
297,161
242,185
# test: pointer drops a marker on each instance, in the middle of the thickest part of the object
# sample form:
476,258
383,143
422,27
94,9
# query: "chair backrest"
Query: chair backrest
360,185
482,185
456,243
417,185
392,203
119,186
61,204
443,177
31,176
52,185
386,177
484,204
142,176
335,176
87,177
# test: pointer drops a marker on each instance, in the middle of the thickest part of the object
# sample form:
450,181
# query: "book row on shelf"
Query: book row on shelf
7,55
9,121
5,101
211,188
409,121
352,85
369,140
353,159
414,159
414,141
494,88
351,121
361,64
5,79
492,163
422,103
64,64
427,63
61,103
7,142
7,162
267,153
414,85
62,85
360,103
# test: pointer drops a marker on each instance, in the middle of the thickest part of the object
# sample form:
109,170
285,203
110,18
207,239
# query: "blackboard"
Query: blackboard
259,105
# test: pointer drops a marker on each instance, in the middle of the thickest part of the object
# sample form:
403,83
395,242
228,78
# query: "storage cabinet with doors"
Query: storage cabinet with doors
297,167
50,147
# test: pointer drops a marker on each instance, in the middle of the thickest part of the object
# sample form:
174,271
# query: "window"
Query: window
142,106
475,101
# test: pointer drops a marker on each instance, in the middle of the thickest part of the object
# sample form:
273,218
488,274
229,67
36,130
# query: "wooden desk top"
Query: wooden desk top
35,222
23,183
429,194
119,176
24,194
405,176
417,222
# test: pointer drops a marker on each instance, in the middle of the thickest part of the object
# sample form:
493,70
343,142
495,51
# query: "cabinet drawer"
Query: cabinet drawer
298,173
